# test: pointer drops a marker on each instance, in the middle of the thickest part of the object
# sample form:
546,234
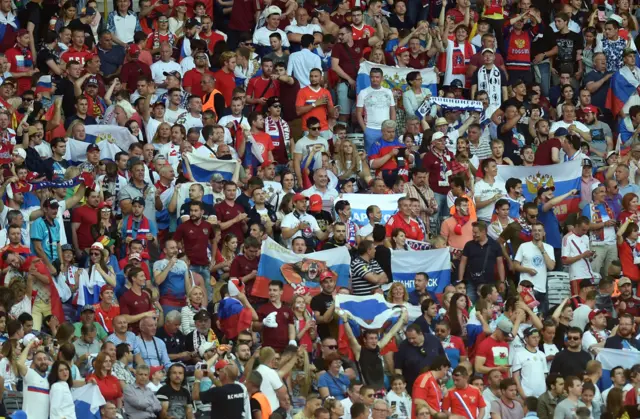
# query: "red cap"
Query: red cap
326,275
181,3
154,369
299,197
106,287
21,32
266,163
595,312
221,364
590,108
401,50
133,49
315,203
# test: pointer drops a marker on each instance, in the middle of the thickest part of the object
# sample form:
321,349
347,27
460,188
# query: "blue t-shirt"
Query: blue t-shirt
337,386
173,285
551,227
48,235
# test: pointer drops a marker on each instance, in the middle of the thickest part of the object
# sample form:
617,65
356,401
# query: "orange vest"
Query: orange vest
207,103
262,400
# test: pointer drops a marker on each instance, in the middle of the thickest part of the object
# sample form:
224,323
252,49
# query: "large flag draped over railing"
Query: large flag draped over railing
611,358
563,177
395,77
281,264
202,168
388,204
436,263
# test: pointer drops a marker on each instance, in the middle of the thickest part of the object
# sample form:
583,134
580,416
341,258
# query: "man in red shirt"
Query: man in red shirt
78,51
259,136
231,216
133,69
82,218
276,320
427,386
194,237
193,77
314,100
225,79
135,303
21,61
262,87
105,310
402,220
464,399
245,267
208,34
626,302
493,352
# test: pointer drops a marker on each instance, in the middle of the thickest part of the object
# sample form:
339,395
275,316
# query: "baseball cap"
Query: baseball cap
89,11
456,84
595,186
529,331
92,81
323,8
315,203
181,3
51,203
299,197
93,147
134,49
105,287
21,32
441,121
266,163
590,108
587,163
326,275
561,132
595,312
136,256
205,347
97,246
437,136
67,247
154,369
9,80
88,307
191,23
272,10
586,283
623,281
401,50
272,101
138,200
202,315
175,74
506,327
217,177
221,364
488,50
159,103
20,152
611,153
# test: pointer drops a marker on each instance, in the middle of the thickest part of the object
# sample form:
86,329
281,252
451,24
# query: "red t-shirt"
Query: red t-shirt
211,40
262,88
242,15
105,318
225,83
86,217
365,32
6,150
433,164
133,304
496,353
420,61
109,386
411,229
426,388
225,212
543,154
629,268
472,399
73,54
265,144
192,79
278,337
20,64
241,266
349,58
195,240
632,305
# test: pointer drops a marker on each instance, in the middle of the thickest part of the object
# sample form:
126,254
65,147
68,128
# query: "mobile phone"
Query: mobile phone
204,366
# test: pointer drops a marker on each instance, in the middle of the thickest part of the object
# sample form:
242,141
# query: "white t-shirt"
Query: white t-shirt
26,228
173,155
189,121
580,317
484,191
62,406
6,372
589,338
346,405
35,395
261,37
377,105
549,350
328,197
488,398
291,221
561,124
151,126
572,246
271,382
172,116
400,405
530,256
605,393
532,367
157,72
305,146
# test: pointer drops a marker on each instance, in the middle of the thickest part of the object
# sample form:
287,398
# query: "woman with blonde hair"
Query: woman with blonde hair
76,130
196,303
398,294
162,135
11,350
350,164
335,408
377,56
305,325
98,259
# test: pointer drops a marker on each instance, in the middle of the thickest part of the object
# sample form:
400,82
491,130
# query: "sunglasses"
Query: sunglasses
314,128
332,346
573,337
95,254
245,342
276,106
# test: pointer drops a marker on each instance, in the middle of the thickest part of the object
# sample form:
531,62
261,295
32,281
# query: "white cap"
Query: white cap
437,136
271,10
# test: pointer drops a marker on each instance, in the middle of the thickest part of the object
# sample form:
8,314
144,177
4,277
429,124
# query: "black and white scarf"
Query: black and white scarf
489,80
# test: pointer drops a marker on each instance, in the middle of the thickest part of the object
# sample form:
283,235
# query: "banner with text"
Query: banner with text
388,204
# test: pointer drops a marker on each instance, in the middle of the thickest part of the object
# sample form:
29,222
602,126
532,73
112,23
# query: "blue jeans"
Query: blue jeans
370,137
443,209
472,290
543,300
206,276
542,74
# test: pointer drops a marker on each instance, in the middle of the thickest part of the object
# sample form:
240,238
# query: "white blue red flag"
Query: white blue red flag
110,139
561,177
202,168
436,263
611,358
395,77
233,316
87,400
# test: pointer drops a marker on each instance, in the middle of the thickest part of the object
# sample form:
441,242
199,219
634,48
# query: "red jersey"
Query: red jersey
21,61
226,212
86,216
133,304
349,57
105,317
265,144
225,83
420,61
260,87
212,39
6,151
192,79
365,32
473,401
411,229
632,305
278,337
195,240
496,353
426,388
242,15
308,96
73,54
518,54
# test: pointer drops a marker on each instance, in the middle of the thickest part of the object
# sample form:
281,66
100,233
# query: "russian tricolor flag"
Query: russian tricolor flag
436,263
233,316
611,358
396,78
202,168
110,139
563,177
281,264
87,400
622,87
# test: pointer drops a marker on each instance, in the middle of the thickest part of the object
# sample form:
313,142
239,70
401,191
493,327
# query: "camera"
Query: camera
401,157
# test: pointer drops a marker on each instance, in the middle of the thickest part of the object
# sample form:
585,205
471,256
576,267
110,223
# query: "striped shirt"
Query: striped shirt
483,150
359,268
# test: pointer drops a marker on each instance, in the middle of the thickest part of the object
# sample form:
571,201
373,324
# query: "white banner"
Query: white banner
388,204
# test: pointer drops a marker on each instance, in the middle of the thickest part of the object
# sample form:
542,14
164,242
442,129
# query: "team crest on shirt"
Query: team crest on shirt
205,231
422,62
286,315
520,43
357,50
472,399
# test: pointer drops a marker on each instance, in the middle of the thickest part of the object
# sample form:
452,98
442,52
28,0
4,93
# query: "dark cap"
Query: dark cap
586,283
322,8
191,23
92,81
138,200
159,103
89,11
561,132
88,307
67,247
530,331
51,203
202,315
272,101
175,74
587,163
93,147
545,189
457,84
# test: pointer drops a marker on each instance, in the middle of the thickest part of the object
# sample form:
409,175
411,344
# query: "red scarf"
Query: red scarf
461,220
143,229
